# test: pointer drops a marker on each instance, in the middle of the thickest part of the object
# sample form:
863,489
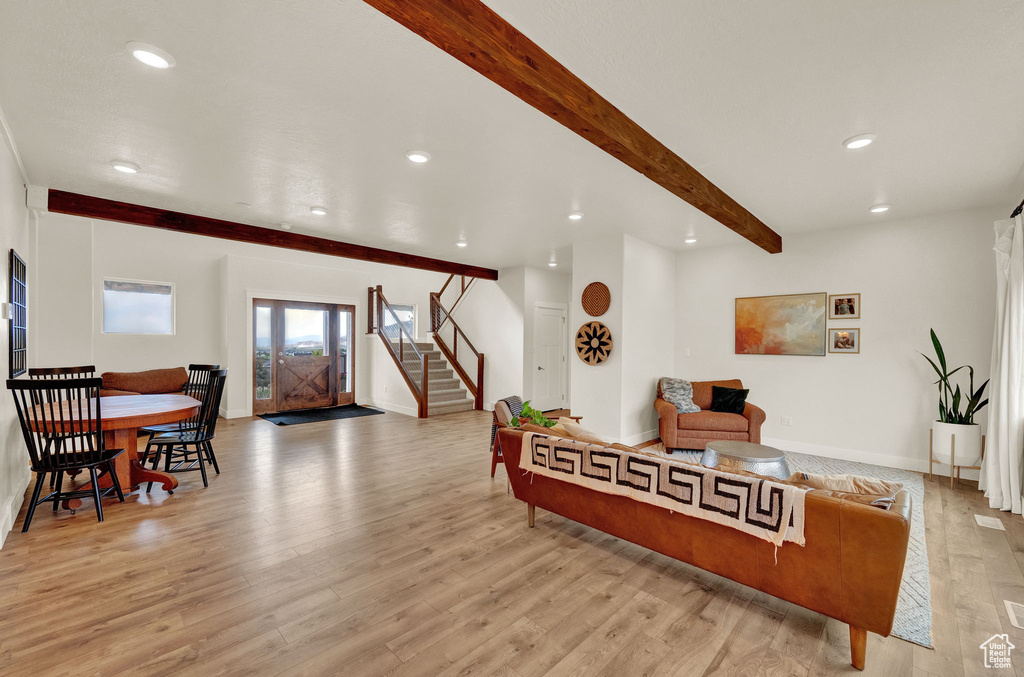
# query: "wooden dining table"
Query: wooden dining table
122,416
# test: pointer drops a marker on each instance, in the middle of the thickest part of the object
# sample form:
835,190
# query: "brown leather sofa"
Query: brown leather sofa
850,568
694,431
151,382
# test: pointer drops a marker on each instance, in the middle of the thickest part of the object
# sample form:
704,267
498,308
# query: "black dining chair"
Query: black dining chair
63,429
196,386
177,448
58,373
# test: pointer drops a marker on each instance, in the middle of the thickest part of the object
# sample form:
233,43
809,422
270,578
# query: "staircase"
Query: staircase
446,395
433,372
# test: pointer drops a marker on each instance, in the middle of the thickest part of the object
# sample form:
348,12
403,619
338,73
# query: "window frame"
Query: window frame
103,307
415,316
17,323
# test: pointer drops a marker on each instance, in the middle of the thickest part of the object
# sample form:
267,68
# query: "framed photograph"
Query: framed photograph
843,340
792,324
844,307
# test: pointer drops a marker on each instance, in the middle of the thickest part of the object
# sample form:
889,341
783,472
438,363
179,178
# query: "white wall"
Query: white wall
215,281
648,334
597,389
14,234
485,308
875,406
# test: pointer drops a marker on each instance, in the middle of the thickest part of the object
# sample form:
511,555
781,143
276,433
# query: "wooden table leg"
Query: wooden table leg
130,472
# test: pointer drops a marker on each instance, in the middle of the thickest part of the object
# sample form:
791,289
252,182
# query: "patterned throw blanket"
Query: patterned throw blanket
768,510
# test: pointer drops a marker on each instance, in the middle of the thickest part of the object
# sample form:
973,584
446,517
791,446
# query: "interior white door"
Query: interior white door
549,382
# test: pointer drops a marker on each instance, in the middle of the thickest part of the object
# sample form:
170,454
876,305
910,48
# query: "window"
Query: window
137,307
18,326
406,315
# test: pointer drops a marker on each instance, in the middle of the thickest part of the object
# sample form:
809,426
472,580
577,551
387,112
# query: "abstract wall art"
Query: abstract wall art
792,324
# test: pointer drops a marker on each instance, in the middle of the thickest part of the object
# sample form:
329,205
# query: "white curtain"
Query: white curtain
1003,464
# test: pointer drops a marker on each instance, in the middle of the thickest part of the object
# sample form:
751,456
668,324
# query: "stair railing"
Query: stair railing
452,294
401,345
471,360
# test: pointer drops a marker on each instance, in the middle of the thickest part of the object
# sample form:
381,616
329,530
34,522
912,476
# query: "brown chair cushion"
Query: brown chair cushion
712,420
152,382
702,390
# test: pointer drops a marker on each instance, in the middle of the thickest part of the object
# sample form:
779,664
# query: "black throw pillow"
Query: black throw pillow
728,400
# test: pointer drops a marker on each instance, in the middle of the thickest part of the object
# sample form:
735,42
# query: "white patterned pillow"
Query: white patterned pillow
678,392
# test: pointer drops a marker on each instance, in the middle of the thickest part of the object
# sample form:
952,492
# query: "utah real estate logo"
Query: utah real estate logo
996,651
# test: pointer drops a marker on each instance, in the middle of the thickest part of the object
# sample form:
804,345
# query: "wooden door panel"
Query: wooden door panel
304,382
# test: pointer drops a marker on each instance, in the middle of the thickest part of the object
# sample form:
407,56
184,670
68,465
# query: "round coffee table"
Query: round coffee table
755,458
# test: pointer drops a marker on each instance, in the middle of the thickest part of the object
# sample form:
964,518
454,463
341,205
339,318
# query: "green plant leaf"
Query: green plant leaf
938,350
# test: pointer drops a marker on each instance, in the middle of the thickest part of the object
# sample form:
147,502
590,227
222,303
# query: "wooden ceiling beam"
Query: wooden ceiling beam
475,35
74,204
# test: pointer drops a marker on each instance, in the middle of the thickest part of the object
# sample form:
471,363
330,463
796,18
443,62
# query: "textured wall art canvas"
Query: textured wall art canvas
793,324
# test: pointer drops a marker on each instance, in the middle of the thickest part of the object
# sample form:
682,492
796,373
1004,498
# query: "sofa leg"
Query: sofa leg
858,647
530,511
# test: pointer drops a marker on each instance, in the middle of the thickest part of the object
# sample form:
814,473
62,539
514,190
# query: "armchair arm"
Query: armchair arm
667,417
756,416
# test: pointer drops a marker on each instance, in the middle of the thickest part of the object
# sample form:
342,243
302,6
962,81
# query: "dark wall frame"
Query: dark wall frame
17,346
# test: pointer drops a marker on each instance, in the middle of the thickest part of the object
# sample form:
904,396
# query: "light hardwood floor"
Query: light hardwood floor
380,546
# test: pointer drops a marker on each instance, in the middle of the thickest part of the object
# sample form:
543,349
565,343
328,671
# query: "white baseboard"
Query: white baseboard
886,460
640,438
234,413
9,514
397,408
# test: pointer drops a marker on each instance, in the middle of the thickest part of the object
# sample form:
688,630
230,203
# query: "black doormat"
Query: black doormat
324,414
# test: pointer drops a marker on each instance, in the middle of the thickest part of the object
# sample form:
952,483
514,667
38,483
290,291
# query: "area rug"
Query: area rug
324,414
913,621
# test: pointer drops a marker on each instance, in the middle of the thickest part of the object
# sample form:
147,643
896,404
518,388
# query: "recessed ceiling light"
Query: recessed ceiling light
461,243
244,205
125,167
319,211
553,264
418,156
878,209
150,55
690,240
576,216
286,226
859,141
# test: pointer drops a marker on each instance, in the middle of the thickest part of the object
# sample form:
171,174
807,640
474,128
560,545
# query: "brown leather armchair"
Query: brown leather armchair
694,431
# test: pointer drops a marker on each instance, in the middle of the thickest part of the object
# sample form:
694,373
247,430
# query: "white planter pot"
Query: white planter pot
968,443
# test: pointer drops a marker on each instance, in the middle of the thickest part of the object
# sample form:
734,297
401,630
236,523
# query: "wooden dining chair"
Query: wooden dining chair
196,386
177,448
63,429
58,373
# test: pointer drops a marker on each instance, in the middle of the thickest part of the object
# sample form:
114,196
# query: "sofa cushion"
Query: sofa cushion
702,390
712,420
728,400
151,382
104,392
854,484
678,392
577,432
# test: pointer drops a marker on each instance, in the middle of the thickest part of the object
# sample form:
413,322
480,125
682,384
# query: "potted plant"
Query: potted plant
956,413
531,415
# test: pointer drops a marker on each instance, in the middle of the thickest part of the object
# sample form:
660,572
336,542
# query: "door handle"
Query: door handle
540,368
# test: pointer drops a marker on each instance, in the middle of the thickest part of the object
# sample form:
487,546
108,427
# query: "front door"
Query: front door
549,341
302,355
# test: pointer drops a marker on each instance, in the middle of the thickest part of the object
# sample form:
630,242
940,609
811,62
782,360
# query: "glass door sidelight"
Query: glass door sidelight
346,354
302,355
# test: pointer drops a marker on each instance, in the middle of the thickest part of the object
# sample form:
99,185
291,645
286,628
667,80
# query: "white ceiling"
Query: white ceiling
285,105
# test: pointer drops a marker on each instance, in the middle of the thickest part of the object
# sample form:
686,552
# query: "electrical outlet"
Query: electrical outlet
385,388
786,420
686,352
